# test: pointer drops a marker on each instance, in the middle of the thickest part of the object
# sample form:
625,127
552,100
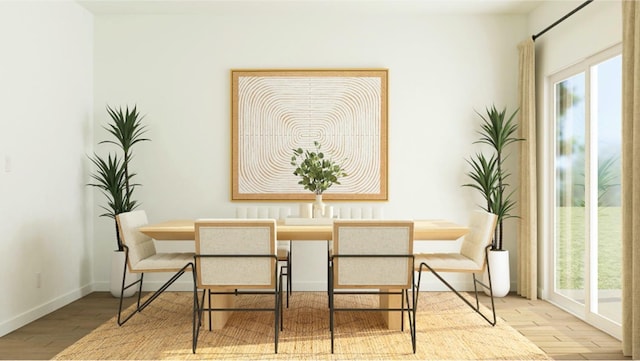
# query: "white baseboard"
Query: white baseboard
43,310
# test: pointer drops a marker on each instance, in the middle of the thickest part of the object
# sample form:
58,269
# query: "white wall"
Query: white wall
176,68
46,72
593,29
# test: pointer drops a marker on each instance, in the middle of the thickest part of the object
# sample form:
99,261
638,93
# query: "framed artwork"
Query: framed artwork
276,111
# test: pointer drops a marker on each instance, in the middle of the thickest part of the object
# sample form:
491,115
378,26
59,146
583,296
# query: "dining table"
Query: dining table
427,229
424,230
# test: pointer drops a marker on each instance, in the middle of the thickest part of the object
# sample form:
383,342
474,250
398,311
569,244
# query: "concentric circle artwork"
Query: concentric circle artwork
274,112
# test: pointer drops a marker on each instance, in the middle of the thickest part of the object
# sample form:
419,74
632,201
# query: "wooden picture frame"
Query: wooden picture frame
276,111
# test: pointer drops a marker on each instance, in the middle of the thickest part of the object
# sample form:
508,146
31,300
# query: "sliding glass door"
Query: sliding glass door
586,240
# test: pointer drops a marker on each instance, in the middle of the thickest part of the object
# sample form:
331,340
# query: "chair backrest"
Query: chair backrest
242,238
140,245
372,237
481,227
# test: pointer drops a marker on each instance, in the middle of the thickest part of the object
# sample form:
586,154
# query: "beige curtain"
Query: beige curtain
528,224
631,179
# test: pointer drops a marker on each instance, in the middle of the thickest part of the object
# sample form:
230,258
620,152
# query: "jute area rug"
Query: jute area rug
446,329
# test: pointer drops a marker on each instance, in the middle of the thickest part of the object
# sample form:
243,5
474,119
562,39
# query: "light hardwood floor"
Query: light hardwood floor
561,335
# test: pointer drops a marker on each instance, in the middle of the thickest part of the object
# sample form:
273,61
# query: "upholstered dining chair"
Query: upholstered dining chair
472,258
371,255
236,257
141,257
285,251
366,213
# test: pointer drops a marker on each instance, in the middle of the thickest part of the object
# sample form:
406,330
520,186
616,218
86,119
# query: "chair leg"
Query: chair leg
210,306
475,281
289,273
281,308
328,273
411,313
125,287
287,266
197,314
277,312
402,311
166,285
489,287
493,307
155,295
331,310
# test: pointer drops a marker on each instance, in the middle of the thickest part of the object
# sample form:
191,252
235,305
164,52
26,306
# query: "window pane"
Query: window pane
607,92
570,189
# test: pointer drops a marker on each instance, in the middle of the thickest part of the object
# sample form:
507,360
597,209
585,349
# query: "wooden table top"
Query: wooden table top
432,229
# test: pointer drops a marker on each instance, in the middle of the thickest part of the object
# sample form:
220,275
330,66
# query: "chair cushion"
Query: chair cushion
164,262
447,262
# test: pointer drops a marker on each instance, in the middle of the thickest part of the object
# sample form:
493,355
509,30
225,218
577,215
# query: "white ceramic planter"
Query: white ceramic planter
500,278
117,264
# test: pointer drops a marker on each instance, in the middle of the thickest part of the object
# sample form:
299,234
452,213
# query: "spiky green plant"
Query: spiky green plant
316,173
112,175
488,175
484,176
128,130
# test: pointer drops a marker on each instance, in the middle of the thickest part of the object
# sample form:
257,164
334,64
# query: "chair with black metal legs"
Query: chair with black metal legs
236,257
472,258
141,257
366,213
373,257
285,249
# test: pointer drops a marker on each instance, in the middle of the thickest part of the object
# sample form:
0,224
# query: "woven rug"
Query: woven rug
446,329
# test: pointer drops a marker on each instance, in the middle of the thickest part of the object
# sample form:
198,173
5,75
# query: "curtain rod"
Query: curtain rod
534,37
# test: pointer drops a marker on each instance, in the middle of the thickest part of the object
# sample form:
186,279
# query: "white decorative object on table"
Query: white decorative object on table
306,210
328,212
284,212
318,207
295,221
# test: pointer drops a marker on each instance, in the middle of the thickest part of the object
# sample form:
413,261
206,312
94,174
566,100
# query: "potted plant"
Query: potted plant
316,173
113,178
490,178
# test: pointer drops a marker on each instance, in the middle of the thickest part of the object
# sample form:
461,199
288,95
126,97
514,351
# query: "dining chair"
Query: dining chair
285,249
471,258
141,257
236,257
346,212
373,257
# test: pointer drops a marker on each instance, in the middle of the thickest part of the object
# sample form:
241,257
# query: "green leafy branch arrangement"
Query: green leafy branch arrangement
316,173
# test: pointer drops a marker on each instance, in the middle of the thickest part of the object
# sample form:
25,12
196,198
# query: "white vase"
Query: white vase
500,278
318,207
117,266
